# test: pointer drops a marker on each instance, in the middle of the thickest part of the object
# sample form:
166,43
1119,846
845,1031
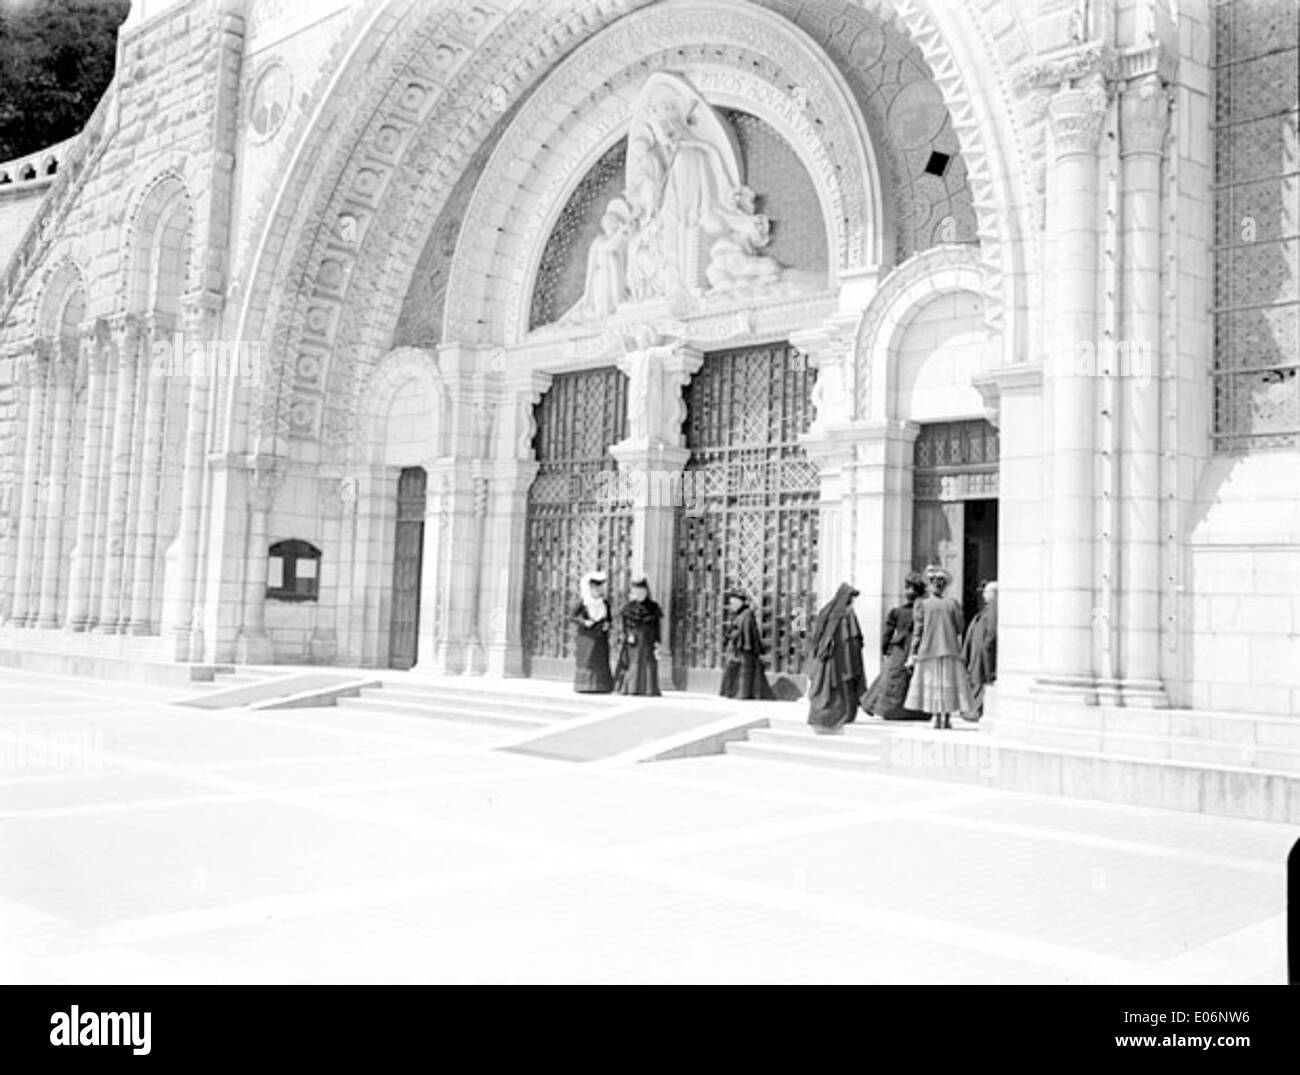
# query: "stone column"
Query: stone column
110,360
457,599
34,373
324,643
1014,400
63,372
651,463
183,594
828,349
879,505
252,646
1144,114
1076,116
126,342
154,390
94,357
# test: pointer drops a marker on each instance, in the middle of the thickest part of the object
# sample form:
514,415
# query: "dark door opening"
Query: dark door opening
979,552
408,558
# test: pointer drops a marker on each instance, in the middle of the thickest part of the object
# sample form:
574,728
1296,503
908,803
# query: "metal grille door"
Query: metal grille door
577,522
407,561
750,514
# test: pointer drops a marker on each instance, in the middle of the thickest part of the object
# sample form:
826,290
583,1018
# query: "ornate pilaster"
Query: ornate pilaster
1076,115
507,527
264,477
63,372
830,443
199,316
33,374
95,358
127,336
155,383
1144,120
651,461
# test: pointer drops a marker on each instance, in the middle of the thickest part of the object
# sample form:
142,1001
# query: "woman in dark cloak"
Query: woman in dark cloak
742,652
835,664
638,657
980,651
885,697
591,614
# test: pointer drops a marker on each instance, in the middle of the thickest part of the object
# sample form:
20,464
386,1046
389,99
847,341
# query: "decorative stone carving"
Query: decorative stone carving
1077,116
686,222
655,408
1143,116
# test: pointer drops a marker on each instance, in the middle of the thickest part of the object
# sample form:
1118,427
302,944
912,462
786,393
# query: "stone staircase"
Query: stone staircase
539,707
1236,765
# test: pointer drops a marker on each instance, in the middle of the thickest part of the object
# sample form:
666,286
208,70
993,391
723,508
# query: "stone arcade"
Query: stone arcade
864,281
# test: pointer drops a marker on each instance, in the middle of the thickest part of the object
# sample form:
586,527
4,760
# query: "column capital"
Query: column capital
656,376
265,476
125,330
1076,115
1143,116
992,384
829,349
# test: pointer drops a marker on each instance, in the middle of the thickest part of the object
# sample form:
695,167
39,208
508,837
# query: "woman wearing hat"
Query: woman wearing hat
742,651
835,664
939,686
591,614
885,697
638,657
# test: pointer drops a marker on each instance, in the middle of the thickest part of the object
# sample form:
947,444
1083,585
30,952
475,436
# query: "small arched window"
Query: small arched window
293,571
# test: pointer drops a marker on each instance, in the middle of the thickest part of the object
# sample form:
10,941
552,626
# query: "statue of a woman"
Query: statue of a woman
606,280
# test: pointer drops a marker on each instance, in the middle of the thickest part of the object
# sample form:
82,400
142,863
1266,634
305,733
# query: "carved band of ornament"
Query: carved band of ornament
1144,116
1093,59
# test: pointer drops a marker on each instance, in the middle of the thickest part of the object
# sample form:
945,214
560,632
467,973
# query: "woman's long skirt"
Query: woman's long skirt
746,679
939,685
887,695
591,672
638,671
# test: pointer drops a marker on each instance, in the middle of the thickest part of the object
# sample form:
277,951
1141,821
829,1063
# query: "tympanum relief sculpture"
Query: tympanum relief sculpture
685,225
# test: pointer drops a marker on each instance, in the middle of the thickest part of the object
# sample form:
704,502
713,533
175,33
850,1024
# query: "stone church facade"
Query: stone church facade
354,333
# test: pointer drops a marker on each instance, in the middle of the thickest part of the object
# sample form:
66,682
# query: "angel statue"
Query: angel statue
606,281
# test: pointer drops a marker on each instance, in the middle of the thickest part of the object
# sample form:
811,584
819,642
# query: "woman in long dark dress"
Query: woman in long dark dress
885,697
638,658
980,651
835,664
742,651
591,656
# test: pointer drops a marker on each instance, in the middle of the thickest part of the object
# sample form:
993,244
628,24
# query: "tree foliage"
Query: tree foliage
56,61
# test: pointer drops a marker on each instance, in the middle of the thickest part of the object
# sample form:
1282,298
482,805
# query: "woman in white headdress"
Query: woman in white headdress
591,615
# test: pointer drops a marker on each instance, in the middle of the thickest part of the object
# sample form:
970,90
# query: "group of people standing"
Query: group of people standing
640,623
932,665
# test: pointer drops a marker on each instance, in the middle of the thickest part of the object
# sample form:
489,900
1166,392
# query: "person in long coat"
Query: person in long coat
886,695
638,657
980,651
742,652
939,687
591,656
835,664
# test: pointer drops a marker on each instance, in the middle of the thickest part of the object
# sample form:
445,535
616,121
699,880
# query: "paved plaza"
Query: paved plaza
141,842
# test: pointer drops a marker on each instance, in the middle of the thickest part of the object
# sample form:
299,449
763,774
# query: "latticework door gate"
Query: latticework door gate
750,513
576,522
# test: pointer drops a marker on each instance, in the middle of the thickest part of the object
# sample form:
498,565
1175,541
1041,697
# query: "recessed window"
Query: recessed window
293,571
938,163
